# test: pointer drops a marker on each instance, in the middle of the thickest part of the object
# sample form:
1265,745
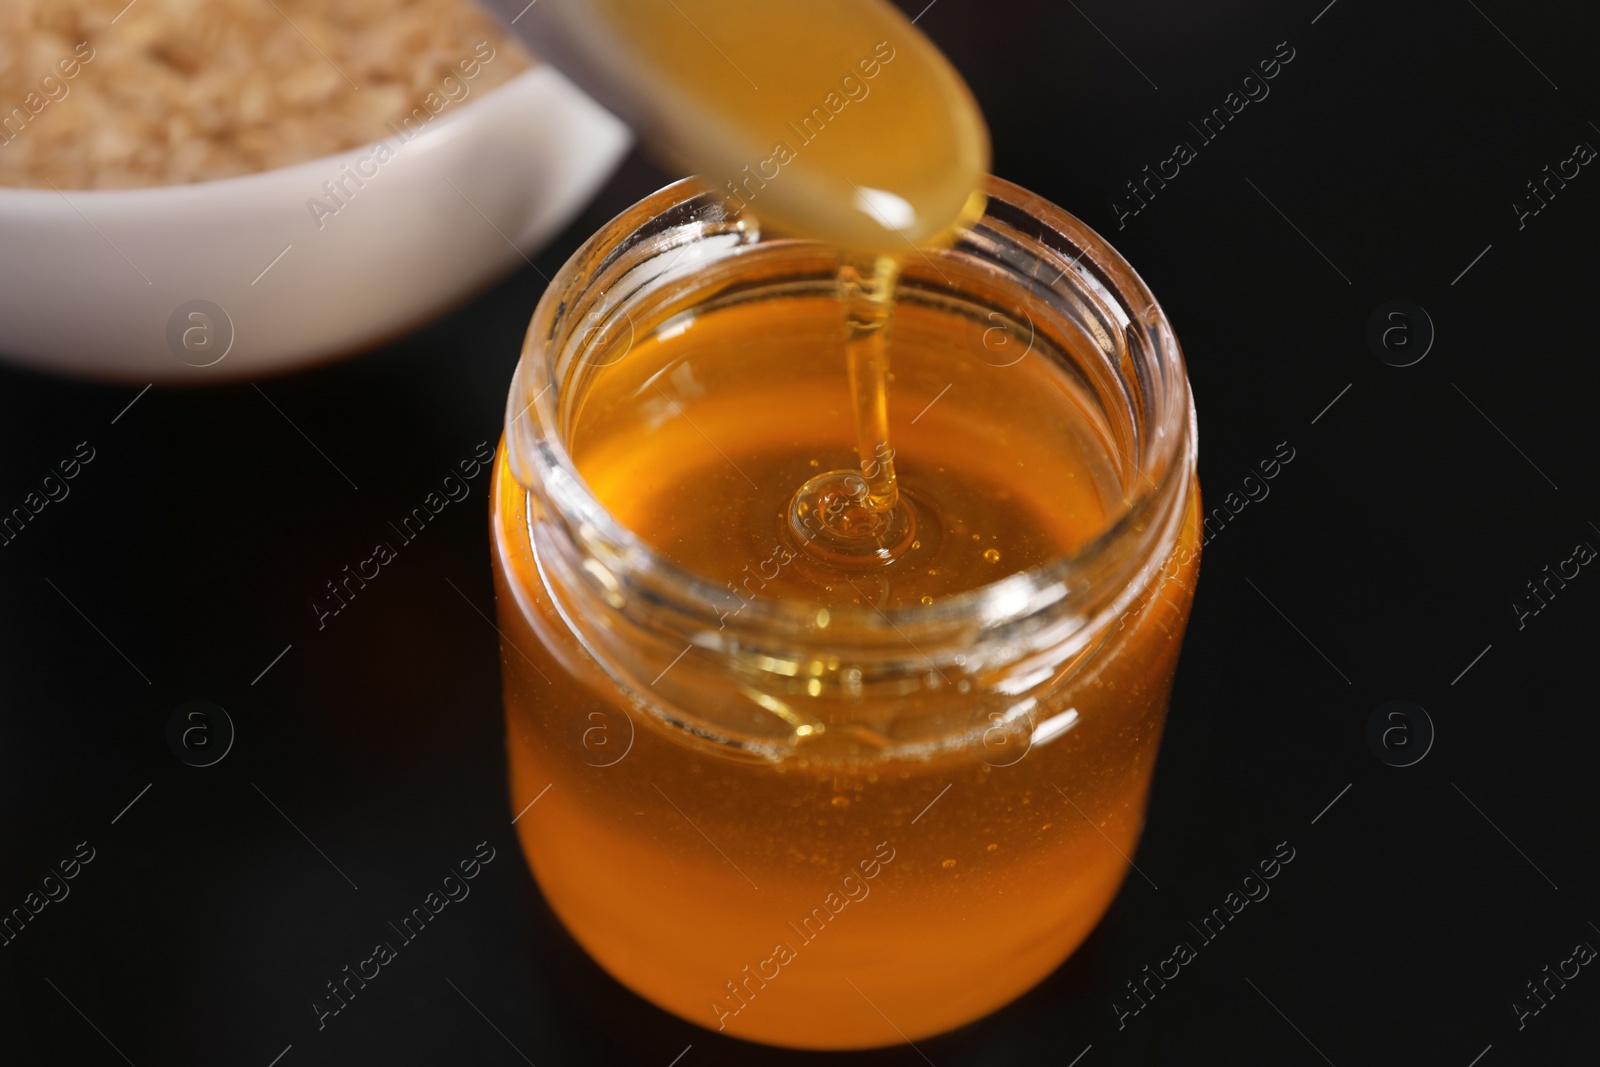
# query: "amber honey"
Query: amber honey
844,536
801,849
834,119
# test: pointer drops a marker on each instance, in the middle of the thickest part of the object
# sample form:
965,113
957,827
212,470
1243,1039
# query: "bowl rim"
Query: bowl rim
31,197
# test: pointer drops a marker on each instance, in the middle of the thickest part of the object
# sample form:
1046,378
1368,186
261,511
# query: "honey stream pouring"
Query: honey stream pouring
835,121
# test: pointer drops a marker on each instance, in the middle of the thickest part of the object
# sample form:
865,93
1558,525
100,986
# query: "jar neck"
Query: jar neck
762,674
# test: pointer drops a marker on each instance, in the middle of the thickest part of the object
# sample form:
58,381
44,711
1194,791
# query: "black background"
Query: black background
1384,562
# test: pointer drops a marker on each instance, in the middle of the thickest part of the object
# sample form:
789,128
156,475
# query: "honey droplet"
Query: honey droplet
992,555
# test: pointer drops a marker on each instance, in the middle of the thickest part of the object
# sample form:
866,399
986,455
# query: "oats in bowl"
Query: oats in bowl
107,94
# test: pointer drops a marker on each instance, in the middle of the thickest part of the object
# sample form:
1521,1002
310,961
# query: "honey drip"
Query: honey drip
859,520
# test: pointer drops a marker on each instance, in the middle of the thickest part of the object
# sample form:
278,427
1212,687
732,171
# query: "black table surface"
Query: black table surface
1443,861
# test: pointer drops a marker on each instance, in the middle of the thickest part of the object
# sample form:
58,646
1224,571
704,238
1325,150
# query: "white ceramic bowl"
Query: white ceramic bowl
239,277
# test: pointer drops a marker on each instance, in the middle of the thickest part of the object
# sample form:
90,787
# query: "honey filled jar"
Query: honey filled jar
788,787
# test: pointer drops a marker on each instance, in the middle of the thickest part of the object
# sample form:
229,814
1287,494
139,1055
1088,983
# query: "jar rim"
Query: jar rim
1164,459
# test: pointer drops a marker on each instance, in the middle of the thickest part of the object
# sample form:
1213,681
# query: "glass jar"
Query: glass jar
851,828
